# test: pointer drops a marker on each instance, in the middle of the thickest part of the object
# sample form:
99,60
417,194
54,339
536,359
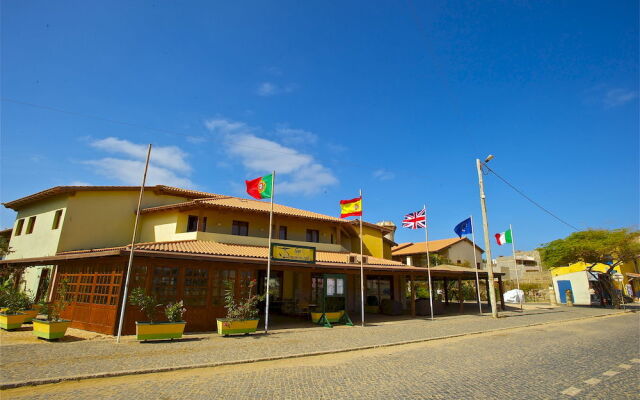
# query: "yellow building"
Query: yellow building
581,282
189,244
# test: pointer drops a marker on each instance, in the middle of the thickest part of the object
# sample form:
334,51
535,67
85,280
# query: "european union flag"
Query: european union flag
463,228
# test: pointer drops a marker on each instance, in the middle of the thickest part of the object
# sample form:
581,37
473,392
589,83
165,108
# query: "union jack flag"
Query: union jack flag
415,220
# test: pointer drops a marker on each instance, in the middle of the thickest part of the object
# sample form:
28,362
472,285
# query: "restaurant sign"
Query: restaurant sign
282,252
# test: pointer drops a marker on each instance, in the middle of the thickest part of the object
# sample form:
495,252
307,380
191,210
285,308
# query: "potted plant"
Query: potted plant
153,330
242,315
28,308
53,326
11,317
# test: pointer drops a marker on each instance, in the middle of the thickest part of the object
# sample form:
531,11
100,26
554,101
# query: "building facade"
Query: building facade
527,268
191,245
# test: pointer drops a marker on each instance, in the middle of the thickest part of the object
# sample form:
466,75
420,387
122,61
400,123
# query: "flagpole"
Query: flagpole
361,263
133,241
515,263
266,310
426,236
475,264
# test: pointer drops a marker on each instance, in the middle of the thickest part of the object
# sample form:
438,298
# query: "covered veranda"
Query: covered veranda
195,272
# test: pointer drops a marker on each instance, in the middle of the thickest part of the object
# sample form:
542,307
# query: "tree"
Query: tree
592,246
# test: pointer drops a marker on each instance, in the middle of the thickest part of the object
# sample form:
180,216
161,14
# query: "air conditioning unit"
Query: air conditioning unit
353,259
365,259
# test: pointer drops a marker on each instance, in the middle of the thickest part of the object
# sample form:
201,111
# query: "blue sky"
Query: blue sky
396,98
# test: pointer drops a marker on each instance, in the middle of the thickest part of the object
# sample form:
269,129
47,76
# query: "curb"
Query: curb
37,382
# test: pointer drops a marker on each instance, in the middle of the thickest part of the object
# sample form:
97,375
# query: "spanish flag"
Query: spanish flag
351,208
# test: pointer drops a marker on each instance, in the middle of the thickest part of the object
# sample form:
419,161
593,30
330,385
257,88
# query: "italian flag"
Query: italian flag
504,237
260,188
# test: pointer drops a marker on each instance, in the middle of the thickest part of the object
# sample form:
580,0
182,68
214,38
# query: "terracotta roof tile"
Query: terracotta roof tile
420,247
245,204
57,190
234,250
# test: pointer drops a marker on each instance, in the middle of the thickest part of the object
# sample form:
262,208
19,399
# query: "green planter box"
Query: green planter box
159,330
226,327
11,321
50,329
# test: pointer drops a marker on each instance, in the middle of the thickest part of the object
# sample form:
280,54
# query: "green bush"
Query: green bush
147,304
174,311
54,309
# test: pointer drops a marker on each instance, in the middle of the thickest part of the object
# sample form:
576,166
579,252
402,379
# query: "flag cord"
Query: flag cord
361,262
266,308
515,264
475,262
426,234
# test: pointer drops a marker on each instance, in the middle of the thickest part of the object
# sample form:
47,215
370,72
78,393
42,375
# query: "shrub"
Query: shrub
174,311
147,304
243,309
54,309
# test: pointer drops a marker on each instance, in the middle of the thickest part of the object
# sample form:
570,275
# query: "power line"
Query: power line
530,199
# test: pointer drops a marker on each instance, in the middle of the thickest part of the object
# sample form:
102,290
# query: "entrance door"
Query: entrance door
563,286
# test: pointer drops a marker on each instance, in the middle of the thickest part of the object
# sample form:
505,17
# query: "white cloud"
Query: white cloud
618,97
267,89
167,166
79,183
296,136
271,89
222,125
383,175
130,172
170,157
298,172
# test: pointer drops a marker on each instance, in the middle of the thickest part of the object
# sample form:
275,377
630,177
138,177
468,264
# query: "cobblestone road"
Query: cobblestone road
591,359
82,358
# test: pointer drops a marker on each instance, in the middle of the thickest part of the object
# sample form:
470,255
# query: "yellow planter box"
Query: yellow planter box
50,329
230,327
11,321
159,330
331,316
30,314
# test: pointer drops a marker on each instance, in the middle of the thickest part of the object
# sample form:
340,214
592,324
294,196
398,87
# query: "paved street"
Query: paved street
595,358
81,358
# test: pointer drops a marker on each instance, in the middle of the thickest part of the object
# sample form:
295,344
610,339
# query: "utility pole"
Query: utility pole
487,243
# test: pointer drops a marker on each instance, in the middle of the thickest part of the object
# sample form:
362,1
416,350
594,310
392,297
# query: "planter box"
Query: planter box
230,327
159,330
11,321
30,314
50,329
331,316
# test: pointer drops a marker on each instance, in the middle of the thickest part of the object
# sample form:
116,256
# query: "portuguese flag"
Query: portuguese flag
260,188
504,237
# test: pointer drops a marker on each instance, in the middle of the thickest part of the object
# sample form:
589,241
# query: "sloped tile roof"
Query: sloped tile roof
205,247
246,204
404,249
57,190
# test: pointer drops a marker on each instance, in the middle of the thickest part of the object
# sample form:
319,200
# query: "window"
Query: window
195,286
56,220
458,262
192,223
218,285
282,234
165,284
31,224
204,224
313,235
240,228
317,282
19,226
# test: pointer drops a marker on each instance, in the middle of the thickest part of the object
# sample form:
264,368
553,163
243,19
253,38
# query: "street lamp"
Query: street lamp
487,243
